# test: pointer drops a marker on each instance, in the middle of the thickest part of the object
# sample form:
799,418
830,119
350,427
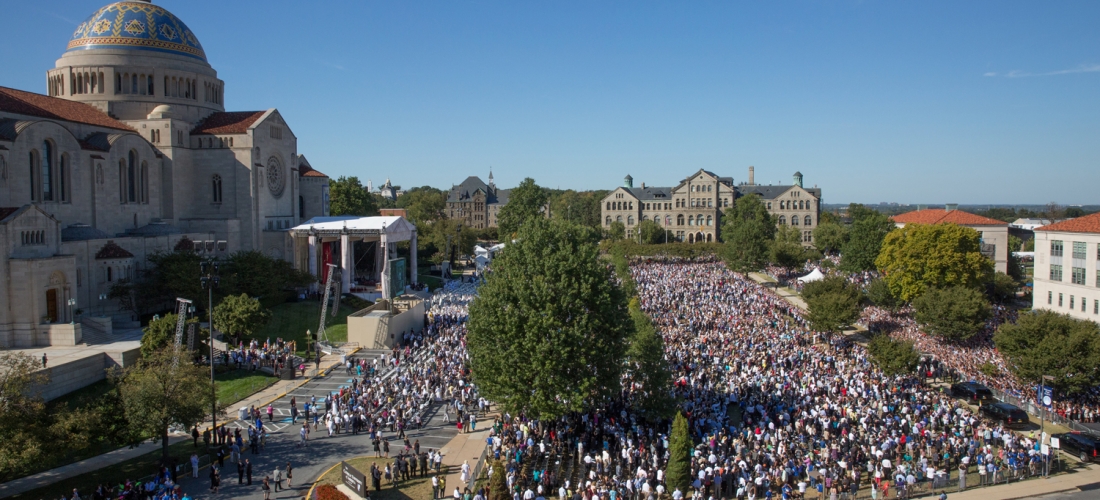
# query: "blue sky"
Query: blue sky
914,102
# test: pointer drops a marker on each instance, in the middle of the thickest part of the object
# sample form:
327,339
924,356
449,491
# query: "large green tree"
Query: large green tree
652,233
21,412
748,230
158,393
649,373
786,249
258,275
526,202
953,313
548,331
878,292
922,256
578,207
830,237
678,468
347,196
893,357
240,316
423,204
833,308
865,236
616,231
1048,343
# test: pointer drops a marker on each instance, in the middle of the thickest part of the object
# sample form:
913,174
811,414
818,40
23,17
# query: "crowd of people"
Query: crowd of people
976,358
776,410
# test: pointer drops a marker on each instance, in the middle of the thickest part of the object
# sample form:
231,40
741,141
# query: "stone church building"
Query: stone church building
131,151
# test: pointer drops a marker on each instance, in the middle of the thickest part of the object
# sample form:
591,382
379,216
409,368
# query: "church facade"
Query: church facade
129,152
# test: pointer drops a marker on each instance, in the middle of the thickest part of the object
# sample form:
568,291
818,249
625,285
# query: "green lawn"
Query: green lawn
290,321
236,385
134,468
416,488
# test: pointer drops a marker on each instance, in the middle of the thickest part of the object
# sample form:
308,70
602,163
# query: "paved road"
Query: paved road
322,452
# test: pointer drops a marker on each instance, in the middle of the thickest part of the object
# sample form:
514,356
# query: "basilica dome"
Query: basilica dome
136,25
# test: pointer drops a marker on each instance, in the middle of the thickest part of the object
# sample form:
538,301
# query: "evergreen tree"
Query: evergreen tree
649,370
498,485
678,469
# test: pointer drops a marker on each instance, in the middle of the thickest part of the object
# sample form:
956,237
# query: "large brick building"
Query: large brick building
693,209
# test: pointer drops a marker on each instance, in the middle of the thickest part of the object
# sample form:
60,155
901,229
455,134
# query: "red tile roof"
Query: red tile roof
308,171
1084,224
29,103
6,211
939,215
228,122
112,251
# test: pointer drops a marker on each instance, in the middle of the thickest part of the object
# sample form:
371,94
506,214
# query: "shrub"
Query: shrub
329,492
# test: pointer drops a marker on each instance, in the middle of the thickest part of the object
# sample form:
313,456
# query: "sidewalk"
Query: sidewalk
262,398
465,447
1032,488
790,295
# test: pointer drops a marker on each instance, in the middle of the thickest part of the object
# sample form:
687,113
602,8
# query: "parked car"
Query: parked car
1086,447
972,391
1007,414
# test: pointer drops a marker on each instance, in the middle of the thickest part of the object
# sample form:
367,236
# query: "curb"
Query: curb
309,494
303,381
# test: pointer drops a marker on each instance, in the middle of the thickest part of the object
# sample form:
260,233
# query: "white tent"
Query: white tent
480,251
814,275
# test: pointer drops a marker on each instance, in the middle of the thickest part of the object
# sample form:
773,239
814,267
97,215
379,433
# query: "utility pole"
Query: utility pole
209,279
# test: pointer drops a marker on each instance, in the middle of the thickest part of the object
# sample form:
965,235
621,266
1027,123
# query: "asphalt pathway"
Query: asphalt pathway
321,452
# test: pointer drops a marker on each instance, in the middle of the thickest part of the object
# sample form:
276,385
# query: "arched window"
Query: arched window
710,222
131,177
216,184
133,84
33,164
806,221
794,220
608,220
166,87
782,220
144,182
122,181
680,220
102,82
110,274
63,178
691,220
47,171
301,206
607,205
630,220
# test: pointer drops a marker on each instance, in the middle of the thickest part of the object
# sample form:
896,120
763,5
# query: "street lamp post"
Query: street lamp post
209,279
72,303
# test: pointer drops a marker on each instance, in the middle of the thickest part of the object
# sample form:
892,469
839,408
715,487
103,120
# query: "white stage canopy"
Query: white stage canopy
346,230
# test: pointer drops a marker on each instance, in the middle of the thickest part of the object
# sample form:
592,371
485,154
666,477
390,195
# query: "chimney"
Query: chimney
951,206
643,185
751,183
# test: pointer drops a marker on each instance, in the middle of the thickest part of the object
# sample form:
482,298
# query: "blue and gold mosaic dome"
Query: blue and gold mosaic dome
136,25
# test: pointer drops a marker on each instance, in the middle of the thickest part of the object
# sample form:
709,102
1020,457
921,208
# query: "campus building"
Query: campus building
131,151
693,209
476,203
994,233
1067,267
